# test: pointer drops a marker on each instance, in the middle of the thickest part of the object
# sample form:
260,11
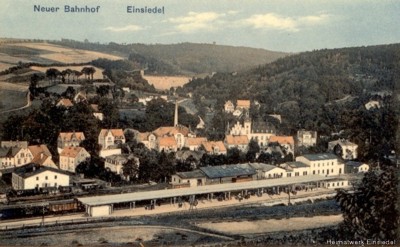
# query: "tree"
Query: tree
52,73
252,151
130,169
370,211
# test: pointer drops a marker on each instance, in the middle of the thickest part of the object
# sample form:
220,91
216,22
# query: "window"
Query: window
55,176
46,178
55,184
313,172
304,173
296,174
37,178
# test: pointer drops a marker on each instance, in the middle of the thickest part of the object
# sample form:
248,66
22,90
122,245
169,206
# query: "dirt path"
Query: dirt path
28,104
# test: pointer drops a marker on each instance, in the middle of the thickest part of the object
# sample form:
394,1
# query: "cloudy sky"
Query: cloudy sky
279,25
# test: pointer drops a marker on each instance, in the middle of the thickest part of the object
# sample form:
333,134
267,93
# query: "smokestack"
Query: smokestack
176,114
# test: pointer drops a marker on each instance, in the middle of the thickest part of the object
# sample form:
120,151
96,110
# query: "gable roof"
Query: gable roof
142,136
354,164
210,146
282,139
65,102
32,169
171,130
36,150
243,103
167,141
67,136
236,140
71,152
115,132
228,170
342,142
195,141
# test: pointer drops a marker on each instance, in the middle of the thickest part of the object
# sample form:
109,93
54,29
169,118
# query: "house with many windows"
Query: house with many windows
326,164
258,131
34,176
71,157
42,156
14,154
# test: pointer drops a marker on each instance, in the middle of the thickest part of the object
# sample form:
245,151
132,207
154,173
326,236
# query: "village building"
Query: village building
195,143
14,154
258,131
42,156
355,167
229,173
67,103
372,104
160,139
243,104
96,112
240,142
69,139
296,169
71,157
34,176
188,179
326,164
306,138
109,138
80,97
266,171
214,147
346,149
167,144
229,107
286,142
115,163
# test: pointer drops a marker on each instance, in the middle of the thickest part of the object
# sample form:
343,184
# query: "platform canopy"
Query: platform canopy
206,189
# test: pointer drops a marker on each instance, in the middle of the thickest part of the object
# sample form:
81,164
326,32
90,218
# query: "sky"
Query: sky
278,25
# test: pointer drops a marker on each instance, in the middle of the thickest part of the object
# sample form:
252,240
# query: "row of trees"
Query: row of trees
53,74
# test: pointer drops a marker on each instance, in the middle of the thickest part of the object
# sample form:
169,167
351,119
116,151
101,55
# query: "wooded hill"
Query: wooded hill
183,58
322,90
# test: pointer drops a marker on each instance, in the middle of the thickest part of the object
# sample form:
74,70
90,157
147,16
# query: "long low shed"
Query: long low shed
207,189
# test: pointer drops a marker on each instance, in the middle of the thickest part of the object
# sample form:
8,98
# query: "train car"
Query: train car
64,206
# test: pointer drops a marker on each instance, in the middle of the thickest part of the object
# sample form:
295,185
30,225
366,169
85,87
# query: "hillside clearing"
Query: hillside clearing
166,82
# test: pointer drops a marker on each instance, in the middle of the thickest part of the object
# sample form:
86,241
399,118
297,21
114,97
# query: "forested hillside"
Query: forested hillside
324,90
184,58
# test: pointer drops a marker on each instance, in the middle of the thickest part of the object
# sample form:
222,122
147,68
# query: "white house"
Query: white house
355,167
306,138
14,154
322,164
108,138
296,169
347,149
71,157
33,176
